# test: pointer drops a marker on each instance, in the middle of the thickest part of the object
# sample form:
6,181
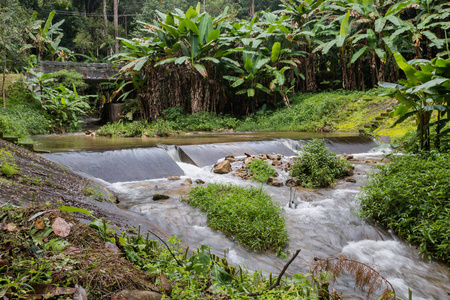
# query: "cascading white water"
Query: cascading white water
324,222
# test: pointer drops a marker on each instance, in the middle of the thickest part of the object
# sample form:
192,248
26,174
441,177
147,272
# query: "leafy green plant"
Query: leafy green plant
410,196
246,214
423,92
317,167
260,170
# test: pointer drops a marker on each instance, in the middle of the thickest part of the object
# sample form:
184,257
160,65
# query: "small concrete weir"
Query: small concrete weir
120,165
206,155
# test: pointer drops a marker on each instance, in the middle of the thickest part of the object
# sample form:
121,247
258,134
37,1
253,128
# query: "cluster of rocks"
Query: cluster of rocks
238,167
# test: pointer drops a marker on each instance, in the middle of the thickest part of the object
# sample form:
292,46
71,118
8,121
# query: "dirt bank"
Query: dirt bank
31,178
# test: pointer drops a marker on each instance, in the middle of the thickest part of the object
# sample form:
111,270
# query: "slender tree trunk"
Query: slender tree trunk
2,37
116,25
252,8
106,21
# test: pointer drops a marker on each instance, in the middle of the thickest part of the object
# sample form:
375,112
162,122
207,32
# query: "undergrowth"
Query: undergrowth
22,116
317,167
410,195
37,262
246,214
260,170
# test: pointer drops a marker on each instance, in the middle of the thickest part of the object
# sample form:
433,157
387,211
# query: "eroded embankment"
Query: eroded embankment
38,180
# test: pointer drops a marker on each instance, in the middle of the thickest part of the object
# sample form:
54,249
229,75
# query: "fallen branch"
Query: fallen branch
277,283
168,248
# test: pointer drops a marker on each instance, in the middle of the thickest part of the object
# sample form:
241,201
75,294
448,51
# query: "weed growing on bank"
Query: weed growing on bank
246,214
411,196
260,170
317,167
22,116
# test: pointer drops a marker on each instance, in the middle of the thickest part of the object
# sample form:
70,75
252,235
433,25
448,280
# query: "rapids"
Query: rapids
324,222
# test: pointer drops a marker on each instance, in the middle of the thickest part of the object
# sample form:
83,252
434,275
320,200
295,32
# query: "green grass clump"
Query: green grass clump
246,214
260,170
411,195
203,121
22,116
317,167
8,167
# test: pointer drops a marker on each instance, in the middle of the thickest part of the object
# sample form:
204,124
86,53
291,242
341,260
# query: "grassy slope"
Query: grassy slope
342,111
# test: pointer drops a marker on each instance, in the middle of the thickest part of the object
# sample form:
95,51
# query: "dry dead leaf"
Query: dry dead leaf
61,227
46,291
72,250
8,227
39,224
3,263
167,286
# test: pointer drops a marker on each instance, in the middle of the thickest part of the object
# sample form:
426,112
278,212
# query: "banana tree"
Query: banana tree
424,91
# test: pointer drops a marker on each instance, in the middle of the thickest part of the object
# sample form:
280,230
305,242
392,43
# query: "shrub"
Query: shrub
410,195
260,170
246,214
317,167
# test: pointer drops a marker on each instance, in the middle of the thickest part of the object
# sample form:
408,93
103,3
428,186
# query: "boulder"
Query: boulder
274,182
276,163
173,178
187,181
351,179
262,157
248,160
294,181
199,181
230,158
157,197
223,167
287,167
273,157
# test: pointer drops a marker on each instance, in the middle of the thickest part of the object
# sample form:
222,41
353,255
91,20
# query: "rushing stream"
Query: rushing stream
322,222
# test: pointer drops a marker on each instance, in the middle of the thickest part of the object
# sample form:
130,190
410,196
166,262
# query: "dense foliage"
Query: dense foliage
317,167
245,214
411,196
22,116
424,95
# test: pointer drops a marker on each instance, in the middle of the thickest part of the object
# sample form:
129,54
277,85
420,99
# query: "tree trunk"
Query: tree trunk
252,8
106,21
2,37
116,25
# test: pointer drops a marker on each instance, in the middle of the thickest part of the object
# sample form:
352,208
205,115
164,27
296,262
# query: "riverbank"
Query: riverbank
338,111
62,223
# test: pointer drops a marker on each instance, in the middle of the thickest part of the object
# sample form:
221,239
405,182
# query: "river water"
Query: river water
323,223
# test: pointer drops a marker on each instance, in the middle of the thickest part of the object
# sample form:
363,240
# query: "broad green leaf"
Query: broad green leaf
399,6
328,46
213,35
250,92
72,209
195,47
201,69
191,25
432,37
358,54
139,63
427,85
238,82
220,275
381,54
275,51
379,24
407,102
248,65
191,12
48,23
181,60
408,69
260,63
345,25
170,29
205,28
169,19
